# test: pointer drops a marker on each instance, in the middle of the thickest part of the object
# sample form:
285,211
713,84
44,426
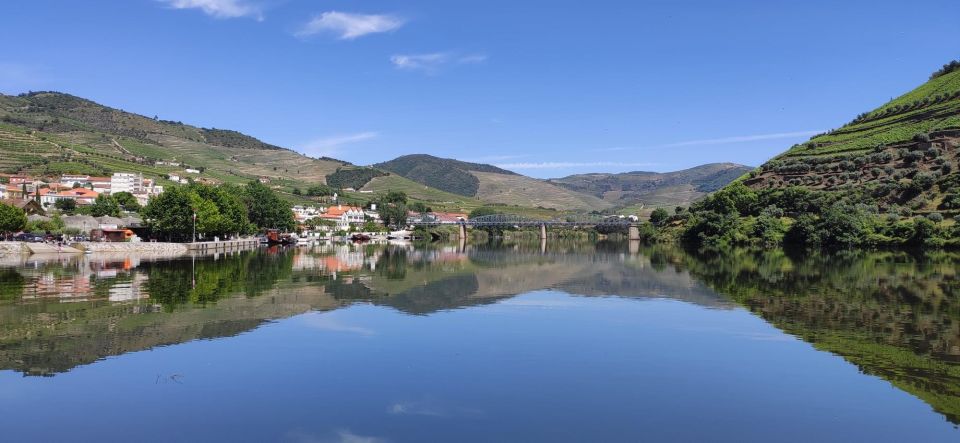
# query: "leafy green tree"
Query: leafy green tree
67,205
170,214
319,191
659,216
126,201
419,207
104,206
265,209
393,214
12,218
399,197
482,211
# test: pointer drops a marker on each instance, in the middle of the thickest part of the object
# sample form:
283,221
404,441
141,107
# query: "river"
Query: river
507,342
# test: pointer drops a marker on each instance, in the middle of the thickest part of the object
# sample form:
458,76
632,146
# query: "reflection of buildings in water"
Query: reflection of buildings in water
72,278
344,258
129,291
49,284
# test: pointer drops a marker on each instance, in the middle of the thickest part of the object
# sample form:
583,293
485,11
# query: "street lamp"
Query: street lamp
194,238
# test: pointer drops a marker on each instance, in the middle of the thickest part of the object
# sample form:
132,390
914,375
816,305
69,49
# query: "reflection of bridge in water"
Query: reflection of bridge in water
516,221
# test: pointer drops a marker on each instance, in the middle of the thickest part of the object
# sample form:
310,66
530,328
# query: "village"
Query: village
59,210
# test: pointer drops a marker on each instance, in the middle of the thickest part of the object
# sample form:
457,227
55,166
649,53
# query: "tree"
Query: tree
170,214
104,206
395,197
420,207
126,201
393,214
482,211
230,215
12,218
265,209
67,205
658,216
319,190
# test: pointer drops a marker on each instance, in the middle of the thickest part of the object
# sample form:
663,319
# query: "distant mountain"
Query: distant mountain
48,133
442,173
487,183
655,188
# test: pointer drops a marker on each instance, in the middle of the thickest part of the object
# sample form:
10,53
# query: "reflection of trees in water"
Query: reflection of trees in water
893,314
11,284
206,280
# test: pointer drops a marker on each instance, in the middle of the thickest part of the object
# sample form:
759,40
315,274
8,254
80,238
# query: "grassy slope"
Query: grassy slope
634,190
525,191
896,127
76,135
444,201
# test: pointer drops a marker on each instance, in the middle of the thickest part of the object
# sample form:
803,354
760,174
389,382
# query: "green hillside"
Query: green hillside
889,177
49,133
489,183
441,173
655,189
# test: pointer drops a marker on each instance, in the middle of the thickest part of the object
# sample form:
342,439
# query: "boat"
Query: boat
360,237
274,237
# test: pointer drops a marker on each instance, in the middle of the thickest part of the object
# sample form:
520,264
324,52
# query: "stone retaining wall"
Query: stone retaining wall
11,248
148,247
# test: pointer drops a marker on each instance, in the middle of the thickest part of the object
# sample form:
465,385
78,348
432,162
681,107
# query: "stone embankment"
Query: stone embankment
11,248
139,247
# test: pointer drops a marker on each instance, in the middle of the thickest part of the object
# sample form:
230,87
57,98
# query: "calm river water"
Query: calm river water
346,343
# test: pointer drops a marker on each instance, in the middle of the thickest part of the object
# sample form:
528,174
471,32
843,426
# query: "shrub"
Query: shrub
935,217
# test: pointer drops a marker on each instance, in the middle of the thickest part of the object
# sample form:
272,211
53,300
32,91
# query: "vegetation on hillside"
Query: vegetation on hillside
441,173
889,178
354,178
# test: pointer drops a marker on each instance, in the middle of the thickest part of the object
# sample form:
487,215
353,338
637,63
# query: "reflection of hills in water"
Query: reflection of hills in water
893,315
421,282
60,312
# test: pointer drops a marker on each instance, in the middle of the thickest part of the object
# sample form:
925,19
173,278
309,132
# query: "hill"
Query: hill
489,183
49,133
889,177
655,189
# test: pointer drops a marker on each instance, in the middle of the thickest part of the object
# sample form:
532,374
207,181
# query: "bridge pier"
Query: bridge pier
543,231
633,232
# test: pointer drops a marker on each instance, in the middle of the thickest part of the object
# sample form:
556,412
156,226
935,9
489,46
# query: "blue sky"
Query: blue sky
546,88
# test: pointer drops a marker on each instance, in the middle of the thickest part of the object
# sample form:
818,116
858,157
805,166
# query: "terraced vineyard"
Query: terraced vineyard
49,133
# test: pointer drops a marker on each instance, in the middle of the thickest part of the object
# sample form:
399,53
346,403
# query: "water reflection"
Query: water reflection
893,315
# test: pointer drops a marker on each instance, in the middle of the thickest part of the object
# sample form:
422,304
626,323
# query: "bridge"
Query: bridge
516,221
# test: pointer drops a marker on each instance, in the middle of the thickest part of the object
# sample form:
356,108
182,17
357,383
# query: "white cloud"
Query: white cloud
432,62
328,322
420,62
350,26
723,140
219,8
328,146
562,165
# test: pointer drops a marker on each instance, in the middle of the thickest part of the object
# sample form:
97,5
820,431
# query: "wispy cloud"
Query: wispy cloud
219,8
328,322
349,26
721,140
564,165
495,158
432,62
330,145
339,436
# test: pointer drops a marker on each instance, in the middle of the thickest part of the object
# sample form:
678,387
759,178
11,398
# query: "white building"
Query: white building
71,180
126,182
192,171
